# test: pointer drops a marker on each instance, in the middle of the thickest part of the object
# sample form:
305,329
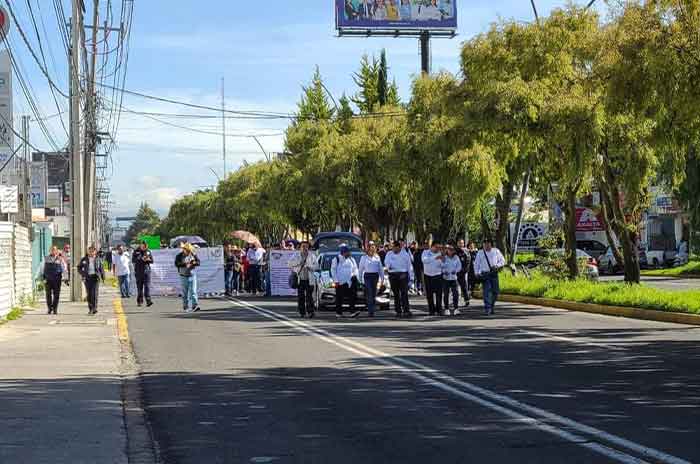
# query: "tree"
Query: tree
314,105
375,90
146,222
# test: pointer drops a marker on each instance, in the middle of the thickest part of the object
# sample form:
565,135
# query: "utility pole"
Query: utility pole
90,133
27,206
425,52
223,121
76,164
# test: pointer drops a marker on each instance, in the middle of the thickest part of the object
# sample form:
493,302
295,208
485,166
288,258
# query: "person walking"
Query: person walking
371,275
471,279
142,258
52,274
91,269
186,263
418,267
232,269
121,269
304,264
344,272
398,264
432,274
489,262
463,275
256,256
451,267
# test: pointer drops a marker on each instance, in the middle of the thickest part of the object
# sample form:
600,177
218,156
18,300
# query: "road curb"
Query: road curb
141,447
618,311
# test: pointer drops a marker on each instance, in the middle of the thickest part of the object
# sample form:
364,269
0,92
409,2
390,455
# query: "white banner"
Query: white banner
9,199
165,280
279,272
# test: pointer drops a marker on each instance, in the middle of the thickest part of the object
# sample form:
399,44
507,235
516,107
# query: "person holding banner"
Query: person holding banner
303,265
186,263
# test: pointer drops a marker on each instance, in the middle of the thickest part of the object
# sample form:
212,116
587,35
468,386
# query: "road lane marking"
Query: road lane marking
122,324
571,340
442,381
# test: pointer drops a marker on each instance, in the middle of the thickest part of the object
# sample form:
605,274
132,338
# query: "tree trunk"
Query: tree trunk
606,207
570,234
503,202
629,250
519,221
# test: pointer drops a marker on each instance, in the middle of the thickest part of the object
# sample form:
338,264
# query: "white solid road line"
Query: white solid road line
487,398
571,340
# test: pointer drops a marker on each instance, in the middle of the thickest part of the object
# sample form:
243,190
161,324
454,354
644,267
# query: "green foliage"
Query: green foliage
692,269
614,294
374,89
146,223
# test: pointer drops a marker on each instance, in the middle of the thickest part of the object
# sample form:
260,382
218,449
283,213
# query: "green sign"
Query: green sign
153,241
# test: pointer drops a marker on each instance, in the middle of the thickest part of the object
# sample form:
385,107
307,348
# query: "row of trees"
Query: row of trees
560,107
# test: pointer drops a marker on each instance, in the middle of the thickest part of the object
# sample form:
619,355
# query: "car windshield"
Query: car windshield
327,260
334,243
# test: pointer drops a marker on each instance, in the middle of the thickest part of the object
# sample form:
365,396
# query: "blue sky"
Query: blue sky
266,50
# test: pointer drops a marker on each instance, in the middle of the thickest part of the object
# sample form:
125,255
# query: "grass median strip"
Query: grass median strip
692,269
602,293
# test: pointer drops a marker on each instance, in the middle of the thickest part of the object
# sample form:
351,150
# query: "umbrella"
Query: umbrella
246,236
193,239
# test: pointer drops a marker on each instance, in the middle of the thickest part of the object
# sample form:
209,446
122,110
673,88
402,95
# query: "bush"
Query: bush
604,293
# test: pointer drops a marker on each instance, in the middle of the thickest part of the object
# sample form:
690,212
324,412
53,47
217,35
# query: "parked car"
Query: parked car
683,255
608,264
327,245
592,247
660,258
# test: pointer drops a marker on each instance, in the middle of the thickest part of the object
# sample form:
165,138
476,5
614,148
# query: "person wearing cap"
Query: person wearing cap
432,274
489,262
304,263
451,267
186,263
398,264
142,259
232,269
344,272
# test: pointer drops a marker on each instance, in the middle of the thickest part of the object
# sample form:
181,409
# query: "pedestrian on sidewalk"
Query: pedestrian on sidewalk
256,256
91,269
52,274
345,272
142,258
121,269
398,264
465,260
186,263
304,264
489,262
451,267
371,275
432,272
232,269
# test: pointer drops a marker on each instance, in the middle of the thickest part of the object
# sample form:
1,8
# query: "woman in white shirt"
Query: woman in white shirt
451,266
371,275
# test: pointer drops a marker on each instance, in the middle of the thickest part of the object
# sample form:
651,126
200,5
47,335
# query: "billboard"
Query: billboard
396,14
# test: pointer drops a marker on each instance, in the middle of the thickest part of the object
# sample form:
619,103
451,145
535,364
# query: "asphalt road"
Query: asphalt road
664,283
247,382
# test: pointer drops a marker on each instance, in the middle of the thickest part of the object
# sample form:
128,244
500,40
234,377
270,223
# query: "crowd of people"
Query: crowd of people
446,274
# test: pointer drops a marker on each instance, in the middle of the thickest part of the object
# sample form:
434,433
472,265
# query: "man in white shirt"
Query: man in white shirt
398,264
432,274
345,272
121,269
255,255
489,262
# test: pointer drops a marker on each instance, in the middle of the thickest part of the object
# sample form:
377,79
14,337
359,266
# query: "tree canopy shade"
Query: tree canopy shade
571,104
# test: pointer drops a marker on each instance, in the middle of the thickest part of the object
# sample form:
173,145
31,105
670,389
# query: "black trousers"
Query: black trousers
143,284
305,298
399,287
462,281
53,293
433,292
254,271
345,293
92,285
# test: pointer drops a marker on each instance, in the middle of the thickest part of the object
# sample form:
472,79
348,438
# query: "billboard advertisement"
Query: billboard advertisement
396,14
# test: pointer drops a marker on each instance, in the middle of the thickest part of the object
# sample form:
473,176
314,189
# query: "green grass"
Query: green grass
603,293
689,270
523,258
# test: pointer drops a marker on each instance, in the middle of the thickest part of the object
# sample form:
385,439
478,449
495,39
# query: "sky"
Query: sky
265,50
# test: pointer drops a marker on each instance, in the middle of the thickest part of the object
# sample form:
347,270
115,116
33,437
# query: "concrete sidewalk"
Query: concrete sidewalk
61,383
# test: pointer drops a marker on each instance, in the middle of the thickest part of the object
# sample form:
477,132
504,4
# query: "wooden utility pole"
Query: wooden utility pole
77,168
